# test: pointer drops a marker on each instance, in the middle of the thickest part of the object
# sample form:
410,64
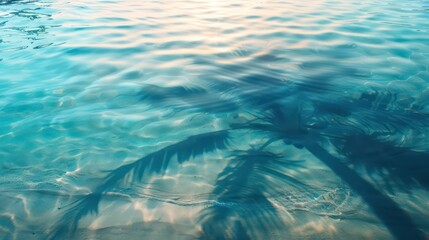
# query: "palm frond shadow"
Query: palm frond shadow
367,139
242,208
404,167
189,98
381,109
154,163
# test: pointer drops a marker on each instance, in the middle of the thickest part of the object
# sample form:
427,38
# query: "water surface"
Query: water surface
214,119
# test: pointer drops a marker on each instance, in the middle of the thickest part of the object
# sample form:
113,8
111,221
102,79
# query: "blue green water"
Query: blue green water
214,119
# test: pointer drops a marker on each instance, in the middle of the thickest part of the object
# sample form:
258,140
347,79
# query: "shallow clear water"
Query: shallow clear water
214,119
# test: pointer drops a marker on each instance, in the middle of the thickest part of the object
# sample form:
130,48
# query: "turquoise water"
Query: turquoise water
214,119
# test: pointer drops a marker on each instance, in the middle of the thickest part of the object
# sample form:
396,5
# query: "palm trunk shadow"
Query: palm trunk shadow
399,223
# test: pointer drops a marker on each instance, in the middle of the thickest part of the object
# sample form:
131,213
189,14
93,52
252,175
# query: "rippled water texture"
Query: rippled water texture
214,119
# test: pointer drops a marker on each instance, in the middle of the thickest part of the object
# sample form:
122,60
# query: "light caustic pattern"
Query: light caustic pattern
214,119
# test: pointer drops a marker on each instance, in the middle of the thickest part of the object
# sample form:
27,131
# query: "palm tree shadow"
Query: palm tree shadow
287,124
242,207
